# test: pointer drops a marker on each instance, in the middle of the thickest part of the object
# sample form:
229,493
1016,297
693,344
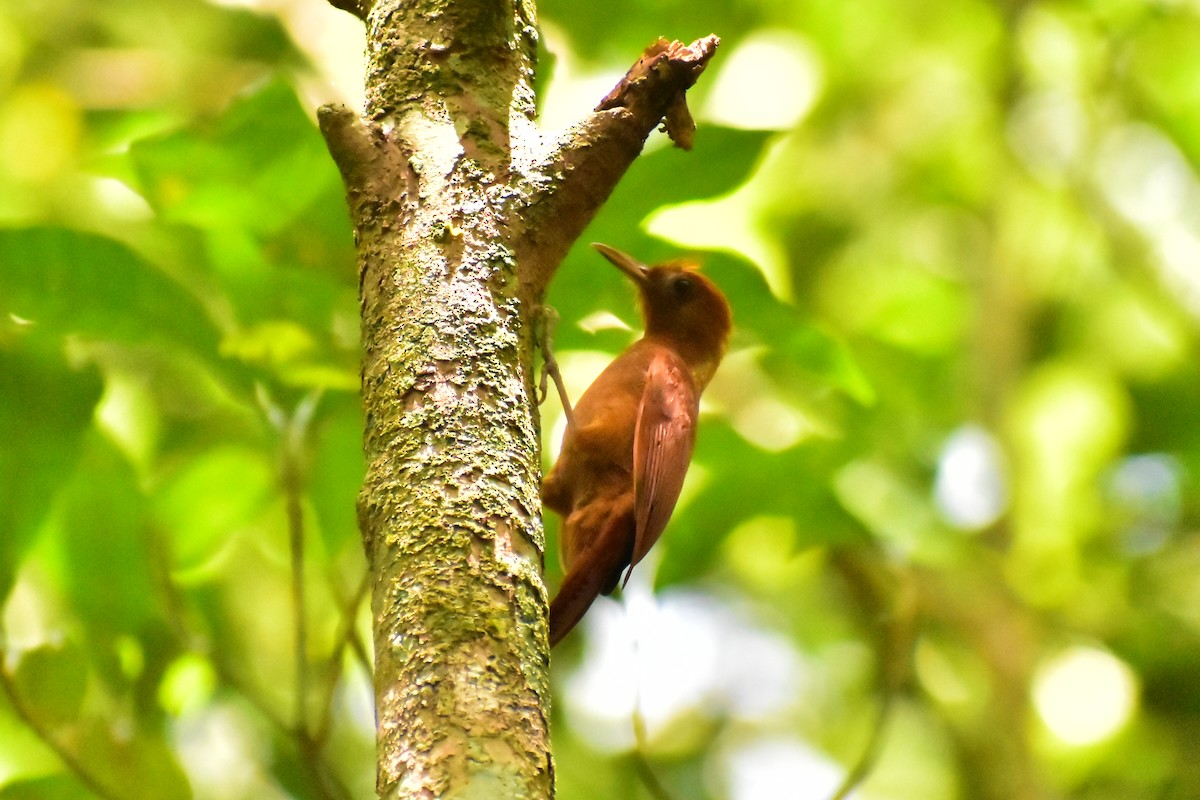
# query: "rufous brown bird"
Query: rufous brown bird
629,441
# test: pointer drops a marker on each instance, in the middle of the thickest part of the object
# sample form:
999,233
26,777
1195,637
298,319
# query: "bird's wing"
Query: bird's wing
662,447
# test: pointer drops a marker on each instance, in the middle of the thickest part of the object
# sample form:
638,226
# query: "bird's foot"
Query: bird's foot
547,322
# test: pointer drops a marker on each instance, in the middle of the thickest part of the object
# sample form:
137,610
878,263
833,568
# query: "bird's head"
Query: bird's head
680,306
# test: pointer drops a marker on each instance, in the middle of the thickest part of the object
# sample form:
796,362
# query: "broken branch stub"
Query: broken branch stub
667,68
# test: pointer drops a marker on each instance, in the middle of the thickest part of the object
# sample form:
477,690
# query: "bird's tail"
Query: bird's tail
595,571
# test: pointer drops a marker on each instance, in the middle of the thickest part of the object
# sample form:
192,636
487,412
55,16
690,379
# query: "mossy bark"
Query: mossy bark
462,211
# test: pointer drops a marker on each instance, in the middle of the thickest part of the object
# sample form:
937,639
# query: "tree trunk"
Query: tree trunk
462,211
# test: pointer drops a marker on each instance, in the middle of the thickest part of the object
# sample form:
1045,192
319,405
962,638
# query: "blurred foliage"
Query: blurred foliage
949,469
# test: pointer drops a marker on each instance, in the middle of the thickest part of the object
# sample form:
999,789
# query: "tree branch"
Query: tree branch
359,8
591,157
369,162
655,86
74,764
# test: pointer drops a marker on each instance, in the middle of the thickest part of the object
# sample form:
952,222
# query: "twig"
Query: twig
888,599
645,770
295,515
72,762
325,782
641,762
870,752
345,637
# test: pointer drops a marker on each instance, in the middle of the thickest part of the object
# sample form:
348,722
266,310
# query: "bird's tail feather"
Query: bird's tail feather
595,571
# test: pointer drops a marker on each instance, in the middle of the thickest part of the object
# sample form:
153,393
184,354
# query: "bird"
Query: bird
629,440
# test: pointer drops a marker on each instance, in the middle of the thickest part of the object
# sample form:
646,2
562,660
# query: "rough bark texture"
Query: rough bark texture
462,212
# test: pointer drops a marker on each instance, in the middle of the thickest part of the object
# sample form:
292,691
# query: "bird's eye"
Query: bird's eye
682,287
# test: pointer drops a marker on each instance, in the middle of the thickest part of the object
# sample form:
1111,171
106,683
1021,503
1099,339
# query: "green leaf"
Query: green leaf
255,168
741,483
793,337
209,499
337,470
628,27
45,412
1171,85
808,352
68,282
102,530
52,679
271,231
720,162
49,787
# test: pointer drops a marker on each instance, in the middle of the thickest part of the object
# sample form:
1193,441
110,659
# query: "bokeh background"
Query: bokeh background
944,510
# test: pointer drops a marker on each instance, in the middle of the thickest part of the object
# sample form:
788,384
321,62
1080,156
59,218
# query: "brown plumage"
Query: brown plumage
628,445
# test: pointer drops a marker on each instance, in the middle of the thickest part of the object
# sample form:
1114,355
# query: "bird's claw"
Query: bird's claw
549,321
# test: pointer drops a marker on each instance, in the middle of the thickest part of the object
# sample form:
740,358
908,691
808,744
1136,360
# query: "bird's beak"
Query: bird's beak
635,269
